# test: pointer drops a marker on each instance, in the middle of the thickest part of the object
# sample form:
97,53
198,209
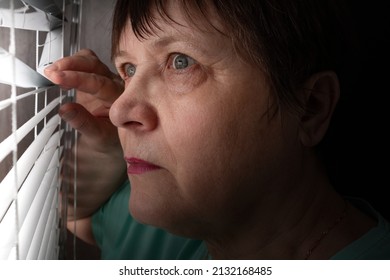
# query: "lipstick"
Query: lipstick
138,166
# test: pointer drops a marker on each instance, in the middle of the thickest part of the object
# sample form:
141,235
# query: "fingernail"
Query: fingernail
52,67
68,115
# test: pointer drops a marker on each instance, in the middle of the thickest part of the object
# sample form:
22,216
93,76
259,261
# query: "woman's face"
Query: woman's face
196,128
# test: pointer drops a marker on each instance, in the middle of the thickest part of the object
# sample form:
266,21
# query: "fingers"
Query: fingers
85,72
80,119
102,87
95,128
83,61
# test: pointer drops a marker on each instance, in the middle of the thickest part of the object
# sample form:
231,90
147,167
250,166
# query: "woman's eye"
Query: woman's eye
182,61
129,70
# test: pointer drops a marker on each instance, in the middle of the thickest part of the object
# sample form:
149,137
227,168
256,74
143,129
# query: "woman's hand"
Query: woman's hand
101,168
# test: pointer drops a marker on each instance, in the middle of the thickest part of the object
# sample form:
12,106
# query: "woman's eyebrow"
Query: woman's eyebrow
158,43
190,42
119,54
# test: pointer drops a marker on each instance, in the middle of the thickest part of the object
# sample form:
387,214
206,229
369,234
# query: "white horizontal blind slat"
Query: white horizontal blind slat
53,240
27,229
25,164
7,102
26,196
7,144
36,242
48,230
30,187
12,255
29,194
8,232
49,238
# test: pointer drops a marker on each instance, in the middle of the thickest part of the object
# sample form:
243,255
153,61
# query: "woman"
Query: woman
223,106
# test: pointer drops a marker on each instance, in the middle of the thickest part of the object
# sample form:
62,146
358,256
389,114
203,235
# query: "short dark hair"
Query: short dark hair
289,39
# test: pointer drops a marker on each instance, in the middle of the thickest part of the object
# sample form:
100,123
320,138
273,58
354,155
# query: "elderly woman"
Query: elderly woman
223,105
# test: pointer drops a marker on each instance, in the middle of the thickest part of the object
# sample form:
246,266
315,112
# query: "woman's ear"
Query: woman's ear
320,95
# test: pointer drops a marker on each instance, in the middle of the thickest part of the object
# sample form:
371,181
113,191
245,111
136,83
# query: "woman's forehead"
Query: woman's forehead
173,37
174,25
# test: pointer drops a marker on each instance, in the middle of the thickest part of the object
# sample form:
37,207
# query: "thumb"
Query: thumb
80,119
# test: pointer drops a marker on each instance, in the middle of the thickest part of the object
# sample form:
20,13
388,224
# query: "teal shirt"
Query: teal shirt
119,236
374,245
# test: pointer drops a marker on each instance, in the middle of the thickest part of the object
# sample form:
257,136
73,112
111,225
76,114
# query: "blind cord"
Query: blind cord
14,124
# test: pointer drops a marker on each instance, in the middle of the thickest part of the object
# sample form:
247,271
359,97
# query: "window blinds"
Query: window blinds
33,139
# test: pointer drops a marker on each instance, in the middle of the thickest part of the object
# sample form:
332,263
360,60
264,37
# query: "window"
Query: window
33,139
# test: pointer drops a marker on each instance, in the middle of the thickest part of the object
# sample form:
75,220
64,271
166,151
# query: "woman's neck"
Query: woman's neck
297,220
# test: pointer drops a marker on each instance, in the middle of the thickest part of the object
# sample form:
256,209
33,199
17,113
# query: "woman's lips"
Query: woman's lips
139,166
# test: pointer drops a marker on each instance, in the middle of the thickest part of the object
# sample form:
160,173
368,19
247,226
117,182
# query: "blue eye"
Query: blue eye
182,61
129,69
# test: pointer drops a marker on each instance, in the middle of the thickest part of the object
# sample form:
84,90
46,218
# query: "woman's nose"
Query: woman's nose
134,109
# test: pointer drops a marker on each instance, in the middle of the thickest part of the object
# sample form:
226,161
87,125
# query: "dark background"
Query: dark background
356,147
